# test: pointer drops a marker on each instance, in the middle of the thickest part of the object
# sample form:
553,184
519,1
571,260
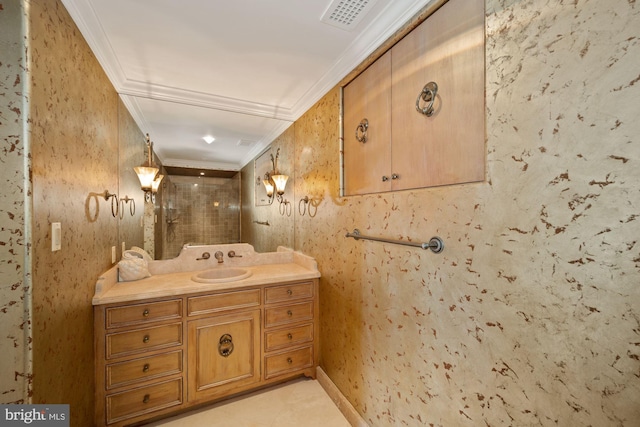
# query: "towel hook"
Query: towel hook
132,206
114,202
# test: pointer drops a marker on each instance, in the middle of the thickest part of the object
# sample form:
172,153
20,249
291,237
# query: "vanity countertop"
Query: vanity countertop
285,267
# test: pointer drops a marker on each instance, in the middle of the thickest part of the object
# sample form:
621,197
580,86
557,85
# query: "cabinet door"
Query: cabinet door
368,97
449,146
224,354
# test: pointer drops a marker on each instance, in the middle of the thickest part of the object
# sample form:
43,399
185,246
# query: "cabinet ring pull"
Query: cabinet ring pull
428,94
225,345
361,130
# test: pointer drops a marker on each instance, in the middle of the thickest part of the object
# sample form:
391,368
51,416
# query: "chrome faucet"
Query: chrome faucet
232,254
219,256
205,255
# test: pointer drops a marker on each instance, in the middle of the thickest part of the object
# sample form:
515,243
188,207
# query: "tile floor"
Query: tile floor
298,403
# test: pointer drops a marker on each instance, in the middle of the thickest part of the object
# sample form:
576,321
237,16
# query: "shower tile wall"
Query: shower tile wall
202,212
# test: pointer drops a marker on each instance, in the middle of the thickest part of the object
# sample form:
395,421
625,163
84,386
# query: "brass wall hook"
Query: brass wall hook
115,208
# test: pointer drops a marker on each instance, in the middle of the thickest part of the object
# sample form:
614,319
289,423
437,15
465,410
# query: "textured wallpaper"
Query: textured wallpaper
75,126
531,314
279,231
15,331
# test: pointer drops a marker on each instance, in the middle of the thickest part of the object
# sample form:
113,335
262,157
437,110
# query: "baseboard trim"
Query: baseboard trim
340,401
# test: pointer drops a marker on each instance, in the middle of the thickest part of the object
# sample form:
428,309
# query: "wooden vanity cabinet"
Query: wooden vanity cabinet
224,343
157,357
290,329
140,360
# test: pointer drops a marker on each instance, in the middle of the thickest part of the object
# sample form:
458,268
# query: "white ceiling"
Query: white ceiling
239,70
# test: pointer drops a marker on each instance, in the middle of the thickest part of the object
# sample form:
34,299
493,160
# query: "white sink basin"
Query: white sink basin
221,275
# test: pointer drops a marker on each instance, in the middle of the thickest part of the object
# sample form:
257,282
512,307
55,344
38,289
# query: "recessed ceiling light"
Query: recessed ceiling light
209,139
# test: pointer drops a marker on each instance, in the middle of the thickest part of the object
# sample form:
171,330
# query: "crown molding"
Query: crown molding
89,25
199,164
390,20
202,99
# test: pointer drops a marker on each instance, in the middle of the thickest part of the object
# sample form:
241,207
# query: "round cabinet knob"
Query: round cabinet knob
289,313
290,336
289,292
289,360
145,313
145,368
146,398
385,178
145,339
395,176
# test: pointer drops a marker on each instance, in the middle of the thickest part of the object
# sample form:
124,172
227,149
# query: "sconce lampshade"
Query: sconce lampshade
155,185
268,186
146,175
280,181
148,170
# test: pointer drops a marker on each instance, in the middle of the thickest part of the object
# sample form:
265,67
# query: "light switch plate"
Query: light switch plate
113,254
56,236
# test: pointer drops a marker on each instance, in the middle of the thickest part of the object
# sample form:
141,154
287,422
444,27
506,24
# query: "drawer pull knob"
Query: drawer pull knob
289,360
289,292
225,345
145,339
145,313
146,398
290,336
145,368
289,313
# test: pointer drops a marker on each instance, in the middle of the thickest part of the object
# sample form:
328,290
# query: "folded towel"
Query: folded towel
145,254
133,265
131,254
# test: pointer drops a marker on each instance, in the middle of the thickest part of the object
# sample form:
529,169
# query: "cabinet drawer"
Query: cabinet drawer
284,293
143,313
143,369
288,314
223,302
288,337
144,400
140,340
287,362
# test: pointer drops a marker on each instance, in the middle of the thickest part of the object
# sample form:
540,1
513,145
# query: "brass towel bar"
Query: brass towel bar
435,244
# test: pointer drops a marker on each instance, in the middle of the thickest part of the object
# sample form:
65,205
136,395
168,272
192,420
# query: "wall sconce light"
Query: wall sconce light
275,182
147,173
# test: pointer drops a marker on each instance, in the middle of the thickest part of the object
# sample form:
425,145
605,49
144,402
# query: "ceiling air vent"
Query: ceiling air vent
245,143
346,14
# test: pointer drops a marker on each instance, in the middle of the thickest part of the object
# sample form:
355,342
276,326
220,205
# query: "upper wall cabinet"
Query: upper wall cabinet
415,117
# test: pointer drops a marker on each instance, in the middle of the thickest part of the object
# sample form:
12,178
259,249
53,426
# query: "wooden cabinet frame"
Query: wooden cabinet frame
403,148
139,383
